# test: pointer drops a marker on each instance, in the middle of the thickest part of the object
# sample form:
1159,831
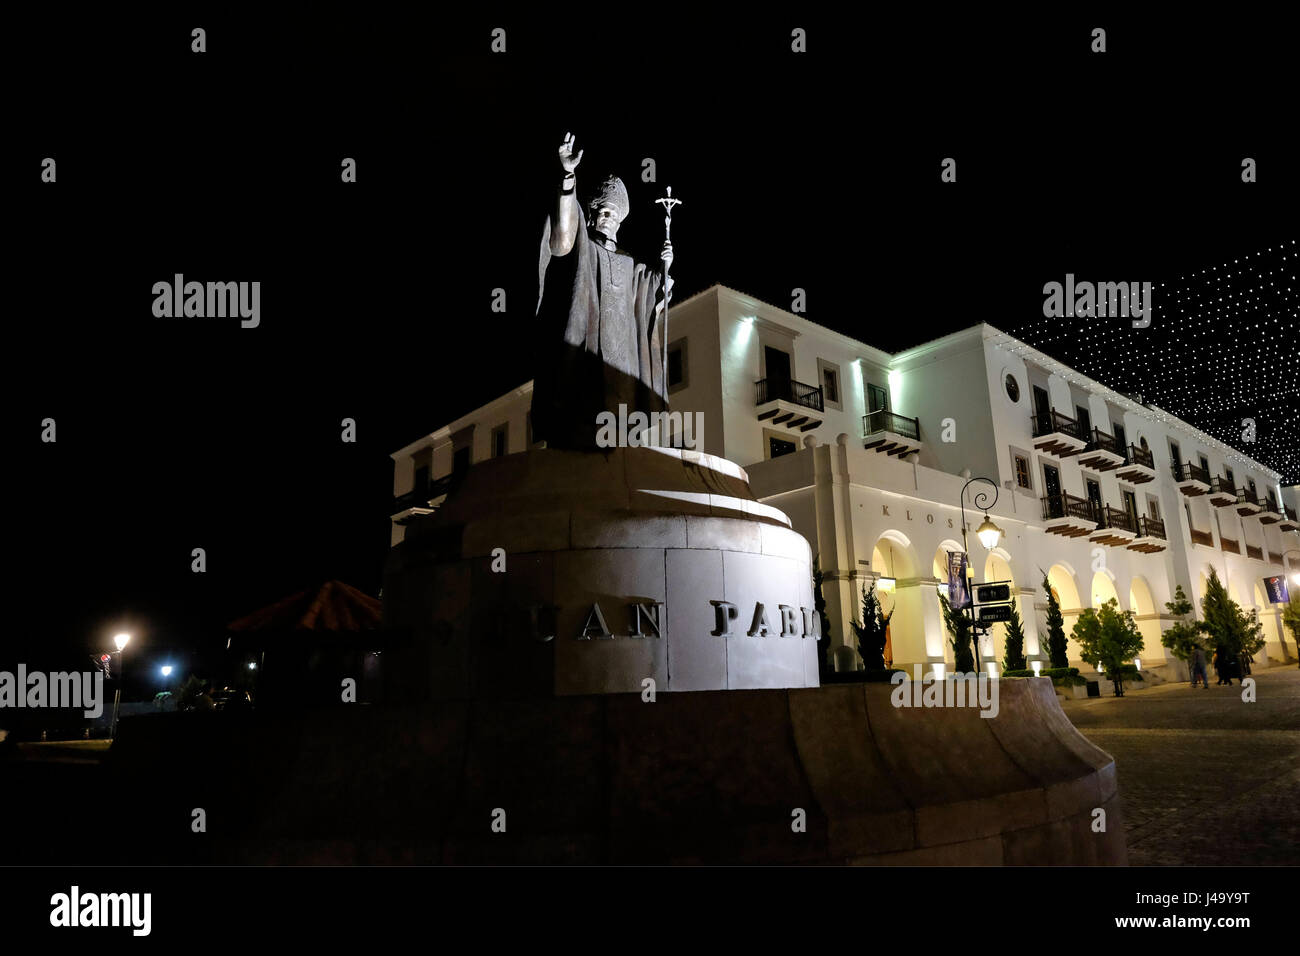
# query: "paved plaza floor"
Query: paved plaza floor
1204,778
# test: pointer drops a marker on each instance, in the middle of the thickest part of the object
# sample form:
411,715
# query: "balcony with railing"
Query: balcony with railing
1115,527
1253,552
1056,434
1201,537
1150,536
421,500
1269,512
1068,515
1192,479
890,433
790,404
1290,522
1102,452
1247,505
1228,544
1139,466
1222,494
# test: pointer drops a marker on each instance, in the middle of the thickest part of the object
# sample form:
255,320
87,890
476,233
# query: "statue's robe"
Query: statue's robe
602,343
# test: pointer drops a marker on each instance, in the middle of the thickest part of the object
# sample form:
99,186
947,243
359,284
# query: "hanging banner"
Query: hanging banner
1277,590
958,586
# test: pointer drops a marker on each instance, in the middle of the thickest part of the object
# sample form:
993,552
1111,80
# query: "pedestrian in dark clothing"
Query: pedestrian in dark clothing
1198,668
1221,666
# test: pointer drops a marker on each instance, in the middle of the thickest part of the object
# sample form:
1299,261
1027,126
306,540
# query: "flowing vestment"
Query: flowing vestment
602,342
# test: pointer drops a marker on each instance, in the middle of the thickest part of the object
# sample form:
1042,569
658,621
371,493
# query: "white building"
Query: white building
867,453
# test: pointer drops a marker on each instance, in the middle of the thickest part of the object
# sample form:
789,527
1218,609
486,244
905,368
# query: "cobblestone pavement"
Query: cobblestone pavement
1204,778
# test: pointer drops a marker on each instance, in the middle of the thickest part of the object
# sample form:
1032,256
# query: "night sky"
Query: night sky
819,172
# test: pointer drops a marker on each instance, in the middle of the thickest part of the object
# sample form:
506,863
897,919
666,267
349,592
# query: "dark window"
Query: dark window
1143,442
677,364
1232,481
1085,420
460,461
499,441
1022,471
1094,493
1205,464
1153,508
1042,404
1013,389
1052,481
877,399
830,385
776,447
422,478
1120,441
1250,483
778,364
1131,506
1176,454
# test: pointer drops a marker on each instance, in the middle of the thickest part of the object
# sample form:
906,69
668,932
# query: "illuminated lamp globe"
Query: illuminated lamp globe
989,534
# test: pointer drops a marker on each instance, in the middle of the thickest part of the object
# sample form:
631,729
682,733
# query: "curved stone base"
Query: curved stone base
560,573
707,777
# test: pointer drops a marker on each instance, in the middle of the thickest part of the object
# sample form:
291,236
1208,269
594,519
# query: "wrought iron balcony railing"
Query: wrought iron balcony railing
1116,518
1141,456
1221,486
1186,471
1051,422
883,421
1151,528
1068,506
1101,441
788,390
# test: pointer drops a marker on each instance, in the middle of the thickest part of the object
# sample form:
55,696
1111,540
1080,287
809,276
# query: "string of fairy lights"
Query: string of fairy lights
1222,352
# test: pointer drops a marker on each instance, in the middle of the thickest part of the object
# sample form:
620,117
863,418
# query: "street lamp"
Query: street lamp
166,670
121,640
990,535
1295,575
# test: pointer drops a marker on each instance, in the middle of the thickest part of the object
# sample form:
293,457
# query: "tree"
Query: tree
1108,639
1233,632
190,694
1056,645
1291,618
959,627
871,632
1015,643
1183,637
819,604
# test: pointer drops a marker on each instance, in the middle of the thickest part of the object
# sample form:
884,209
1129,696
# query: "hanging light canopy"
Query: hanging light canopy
989,534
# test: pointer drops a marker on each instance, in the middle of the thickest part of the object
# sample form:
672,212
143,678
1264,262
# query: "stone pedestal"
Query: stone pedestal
561,572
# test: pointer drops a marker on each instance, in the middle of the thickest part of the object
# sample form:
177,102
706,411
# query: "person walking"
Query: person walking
1221,666
1198,668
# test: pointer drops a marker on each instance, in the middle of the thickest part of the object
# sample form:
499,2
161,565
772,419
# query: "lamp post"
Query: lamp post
121,640
989,535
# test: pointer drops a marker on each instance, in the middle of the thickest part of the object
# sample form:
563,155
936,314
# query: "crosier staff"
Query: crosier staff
668,202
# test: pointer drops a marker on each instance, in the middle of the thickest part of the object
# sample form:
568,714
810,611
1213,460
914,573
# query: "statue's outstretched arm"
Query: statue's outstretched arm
567,219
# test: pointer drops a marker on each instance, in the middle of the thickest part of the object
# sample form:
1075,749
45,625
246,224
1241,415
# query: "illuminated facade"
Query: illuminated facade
867,453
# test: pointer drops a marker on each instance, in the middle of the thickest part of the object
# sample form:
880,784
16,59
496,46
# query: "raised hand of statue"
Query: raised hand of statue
567,159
